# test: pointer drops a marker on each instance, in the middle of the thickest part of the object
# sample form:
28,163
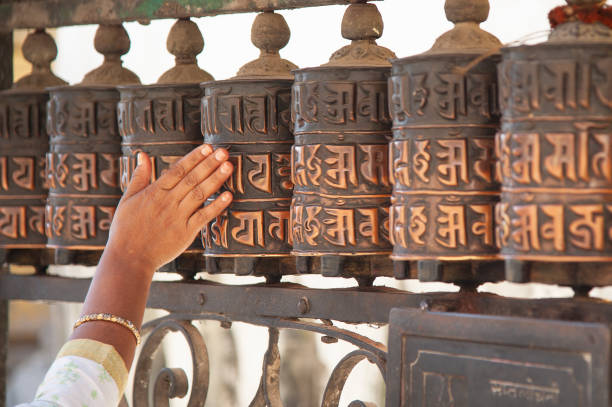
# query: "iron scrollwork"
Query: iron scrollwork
173,382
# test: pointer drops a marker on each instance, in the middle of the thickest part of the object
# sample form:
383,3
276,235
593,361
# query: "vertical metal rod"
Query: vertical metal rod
6,80
3,351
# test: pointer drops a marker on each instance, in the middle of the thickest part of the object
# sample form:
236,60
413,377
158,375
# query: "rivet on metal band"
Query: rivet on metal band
109,318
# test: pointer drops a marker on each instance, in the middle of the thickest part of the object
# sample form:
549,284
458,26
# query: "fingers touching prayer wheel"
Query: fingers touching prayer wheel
82,165
163,120
249,115
24,143
554,221
445,116
340,207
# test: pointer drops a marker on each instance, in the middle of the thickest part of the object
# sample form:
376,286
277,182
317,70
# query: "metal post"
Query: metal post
3,350
6,79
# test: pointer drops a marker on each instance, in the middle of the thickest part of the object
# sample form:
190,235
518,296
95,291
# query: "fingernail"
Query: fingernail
226,168
206,150
225,196
139,159
220,155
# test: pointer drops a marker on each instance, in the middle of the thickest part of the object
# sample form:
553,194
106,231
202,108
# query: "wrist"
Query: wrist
117,259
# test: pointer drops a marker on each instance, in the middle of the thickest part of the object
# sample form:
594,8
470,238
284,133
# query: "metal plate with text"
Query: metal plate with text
459,360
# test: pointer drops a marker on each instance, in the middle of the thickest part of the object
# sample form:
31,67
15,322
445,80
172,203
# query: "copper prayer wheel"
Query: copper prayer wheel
554,221
24,143
83,161
163,120
339,211
250,116
445,116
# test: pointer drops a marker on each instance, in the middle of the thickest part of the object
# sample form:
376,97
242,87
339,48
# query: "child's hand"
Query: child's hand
154,223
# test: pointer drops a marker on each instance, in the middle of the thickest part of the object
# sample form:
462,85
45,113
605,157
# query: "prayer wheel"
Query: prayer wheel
250,116
554,221
24,143
340,207
445,117
163,120
83,162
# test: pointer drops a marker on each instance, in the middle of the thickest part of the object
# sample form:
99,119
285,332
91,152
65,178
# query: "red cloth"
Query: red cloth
589,15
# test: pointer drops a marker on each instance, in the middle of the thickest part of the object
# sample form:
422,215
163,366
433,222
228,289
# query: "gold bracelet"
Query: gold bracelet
109,318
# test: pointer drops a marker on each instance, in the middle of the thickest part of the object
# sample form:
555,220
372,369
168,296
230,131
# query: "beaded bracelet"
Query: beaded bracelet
109,318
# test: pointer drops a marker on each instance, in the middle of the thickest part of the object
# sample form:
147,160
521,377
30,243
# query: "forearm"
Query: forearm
120,287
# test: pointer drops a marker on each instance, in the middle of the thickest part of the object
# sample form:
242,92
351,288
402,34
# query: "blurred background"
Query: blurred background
37,330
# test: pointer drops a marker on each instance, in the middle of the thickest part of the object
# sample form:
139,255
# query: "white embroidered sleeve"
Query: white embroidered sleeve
86,373
74,381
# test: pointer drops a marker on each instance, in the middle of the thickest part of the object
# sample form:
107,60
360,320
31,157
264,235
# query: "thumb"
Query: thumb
141,178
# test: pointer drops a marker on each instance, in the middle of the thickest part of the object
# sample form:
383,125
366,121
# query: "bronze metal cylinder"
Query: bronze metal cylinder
23,186
441,158
164,122
251,119
340,162
82,167
555,156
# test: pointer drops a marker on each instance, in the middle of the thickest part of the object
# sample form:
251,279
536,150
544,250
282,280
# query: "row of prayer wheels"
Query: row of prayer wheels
459,159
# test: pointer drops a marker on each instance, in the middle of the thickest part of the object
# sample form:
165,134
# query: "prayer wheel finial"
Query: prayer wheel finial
585,2
112,41
185,42
467,34
581,21
40,50
466,11
363,25
270,33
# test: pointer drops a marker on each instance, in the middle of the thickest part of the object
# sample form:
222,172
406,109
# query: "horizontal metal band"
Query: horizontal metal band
57,13
448,192
162,143
552,190
557,258
250,255
446,126
345,132
341,254
229,143
321,194
245,302
566,118
7,197
447,257
263,200
23,246
75,247
84,196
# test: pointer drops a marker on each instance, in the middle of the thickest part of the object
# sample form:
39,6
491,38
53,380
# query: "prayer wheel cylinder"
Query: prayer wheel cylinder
83,162
445,117
554,221
250,116
340,206
24,143
163,120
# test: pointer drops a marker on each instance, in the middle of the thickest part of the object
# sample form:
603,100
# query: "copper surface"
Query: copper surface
251,119
441,158
555,153
161,120
83,177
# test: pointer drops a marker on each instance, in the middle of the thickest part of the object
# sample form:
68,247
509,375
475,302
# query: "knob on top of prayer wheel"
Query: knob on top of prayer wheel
270,33
185,42
581,21
112,41
585,2
467,34
363,25
40,50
